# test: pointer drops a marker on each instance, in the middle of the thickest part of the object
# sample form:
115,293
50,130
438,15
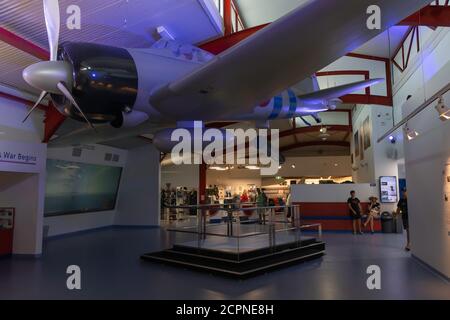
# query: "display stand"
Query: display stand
6,231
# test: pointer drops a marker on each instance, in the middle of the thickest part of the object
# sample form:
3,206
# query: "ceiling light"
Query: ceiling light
219,168
411,134
392,139
443,110
293,166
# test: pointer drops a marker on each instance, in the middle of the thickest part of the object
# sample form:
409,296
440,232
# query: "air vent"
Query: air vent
76,152
116,158
108,156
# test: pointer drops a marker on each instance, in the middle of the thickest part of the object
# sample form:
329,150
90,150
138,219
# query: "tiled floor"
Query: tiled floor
111,269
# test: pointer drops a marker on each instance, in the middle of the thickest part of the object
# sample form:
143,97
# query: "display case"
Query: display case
6,230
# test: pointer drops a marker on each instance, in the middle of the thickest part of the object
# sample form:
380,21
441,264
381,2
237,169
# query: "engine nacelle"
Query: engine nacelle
130,119
105,81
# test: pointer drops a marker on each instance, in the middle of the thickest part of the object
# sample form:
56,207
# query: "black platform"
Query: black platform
240,265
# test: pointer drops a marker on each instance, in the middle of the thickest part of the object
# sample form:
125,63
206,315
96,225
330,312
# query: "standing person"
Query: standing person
355,210
402,208
289,209
374,210
261,203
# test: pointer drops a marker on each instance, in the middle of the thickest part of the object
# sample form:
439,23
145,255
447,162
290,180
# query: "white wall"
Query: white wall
25,192
331,192
139,197
238,179
427,160
339,166
380,159
426,156
94,154
377,69
180,176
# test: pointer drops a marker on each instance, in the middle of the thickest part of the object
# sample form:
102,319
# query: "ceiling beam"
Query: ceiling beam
23,44
302,130
315,143
430,16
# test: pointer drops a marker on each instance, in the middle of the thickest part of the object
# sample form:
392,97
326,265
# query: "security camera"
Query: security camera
443,110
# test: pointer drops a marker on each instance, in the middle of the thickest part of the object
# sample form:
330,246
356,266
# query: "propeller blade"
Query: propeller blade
52,22
41,97
63,88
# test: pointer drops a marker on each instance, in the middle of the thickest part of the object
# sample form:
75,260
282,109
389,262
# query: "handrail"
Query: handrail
418,110
223,207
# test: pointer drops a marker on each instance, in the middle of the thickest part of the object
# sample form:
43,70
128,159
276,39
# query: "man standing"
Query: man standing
402,208
355,210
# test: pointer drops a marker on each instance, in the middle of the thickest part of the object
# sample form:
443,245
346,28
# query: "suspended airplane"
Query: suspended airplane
135,91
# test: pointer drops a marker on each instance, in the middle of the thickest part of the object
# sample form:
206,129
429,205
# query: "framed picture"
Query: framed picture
367,128
356,143
361,147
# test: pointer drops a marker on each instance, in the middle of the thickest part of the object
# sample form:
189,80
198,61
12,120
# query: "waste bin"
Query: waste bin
387,223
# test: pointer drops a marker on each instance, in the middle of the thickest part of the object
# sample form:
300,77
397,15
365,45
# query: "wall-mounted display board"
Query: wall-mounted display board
74,187
388,190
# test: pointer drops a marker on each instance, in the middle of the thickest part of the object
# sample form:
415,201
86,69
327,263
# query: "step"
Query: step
242,268
242,255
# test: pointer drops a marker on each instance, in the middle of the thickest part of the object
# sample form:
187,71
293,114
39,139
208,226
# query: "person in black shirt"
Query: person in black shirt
402,208
374,210
355,210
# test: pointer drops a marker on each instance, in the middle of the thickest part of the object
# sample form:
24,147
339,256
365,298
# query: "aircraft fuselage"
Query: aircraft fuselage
115,85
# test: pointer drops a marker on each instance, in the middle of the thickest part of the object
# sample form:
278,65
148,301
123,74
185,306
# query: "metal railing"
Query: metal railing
237,228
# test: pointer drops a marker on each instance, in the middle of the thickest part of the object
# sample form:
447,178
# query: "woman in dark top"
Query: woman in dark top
402,208
355,210
374,210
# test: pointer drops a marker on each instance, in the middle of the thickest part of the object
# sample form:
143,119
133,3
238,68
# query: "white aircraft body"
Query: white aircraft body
125,92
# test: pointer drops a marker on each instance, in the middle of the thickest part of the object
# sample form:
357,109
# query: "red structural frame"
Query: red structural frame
23,44
434,15
311,129
315,143
229,9
333,216
414,34
53,119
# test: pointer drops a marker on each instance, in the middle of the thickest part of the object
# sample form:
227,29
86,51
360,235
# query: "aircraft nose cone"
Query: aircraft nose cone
46,75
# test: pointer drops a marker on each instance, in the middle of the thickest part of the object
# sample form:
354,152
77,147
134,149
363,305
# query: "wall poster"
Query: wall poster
356,143
388,189
367,129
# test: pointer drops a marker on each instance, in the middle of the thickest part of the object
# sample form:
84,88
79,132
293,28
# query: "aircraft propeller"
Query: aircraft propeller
52,76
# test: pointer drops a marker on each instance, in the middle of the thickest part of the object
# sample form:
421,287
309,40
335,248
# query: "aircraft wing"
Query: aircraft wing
336,92
287,51
104,133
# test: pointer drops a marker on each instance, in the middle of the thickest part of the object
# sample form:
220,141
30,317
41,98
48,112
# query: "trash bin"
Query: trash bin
387,223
